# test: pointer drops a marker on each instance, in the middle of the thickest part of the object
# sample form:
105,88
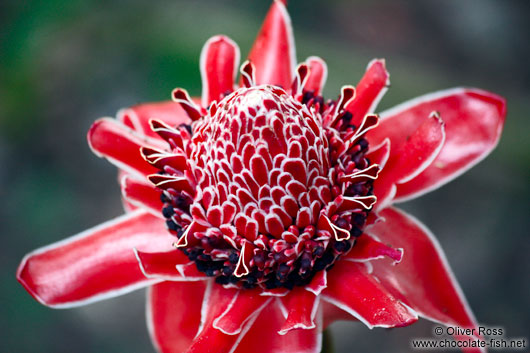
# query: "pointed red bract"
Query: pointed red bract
120,145
354,290
141,194
301,308
366,248
127,206
318,73
421,148
411,158
137,117
219,64
94,265
473,125
273,52
174,314
168,265
244,304
333,313
423,279
379,154
192,109
318,283
384,191
263,336
219,300
370,90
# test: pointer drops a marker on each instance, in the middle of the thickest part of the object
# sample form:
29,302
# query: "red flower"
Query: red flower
257,224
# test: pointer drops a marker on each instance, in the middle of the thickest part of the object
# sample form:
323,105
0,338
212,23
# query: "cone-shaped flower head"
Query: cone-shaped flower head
262,189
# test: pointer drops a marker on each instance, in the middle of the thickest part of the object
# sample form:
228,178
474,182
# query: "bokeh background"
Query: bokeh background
66,63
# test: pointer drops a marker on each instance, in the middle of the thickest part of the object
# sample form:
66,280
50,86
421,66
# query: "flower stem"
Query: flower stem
327,342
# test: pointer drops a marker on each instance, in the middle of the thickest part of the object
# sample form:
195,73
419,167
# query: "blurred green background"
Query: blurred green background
65,63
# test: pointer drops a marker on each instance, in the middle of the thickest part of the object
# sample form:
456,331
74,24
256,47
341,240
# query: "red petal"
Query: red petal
160,159
248,74
366,248
96,264
168,265
301,76
352,289
263,336
121,146
333,313
141,194
318,283
473,124
412,158
219,63
244,305
347,95
370,90
218,301
127,206
301,307
385,190
421,148
191,108
273,53
423,279
318,73
137,117
379,154
174,314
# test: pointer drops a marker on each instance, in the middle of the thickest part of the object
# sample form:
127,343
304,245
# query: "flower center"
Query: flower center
267,194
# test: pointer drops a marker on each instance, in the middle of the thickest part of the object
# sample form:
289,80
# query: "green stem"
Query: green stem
327,342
